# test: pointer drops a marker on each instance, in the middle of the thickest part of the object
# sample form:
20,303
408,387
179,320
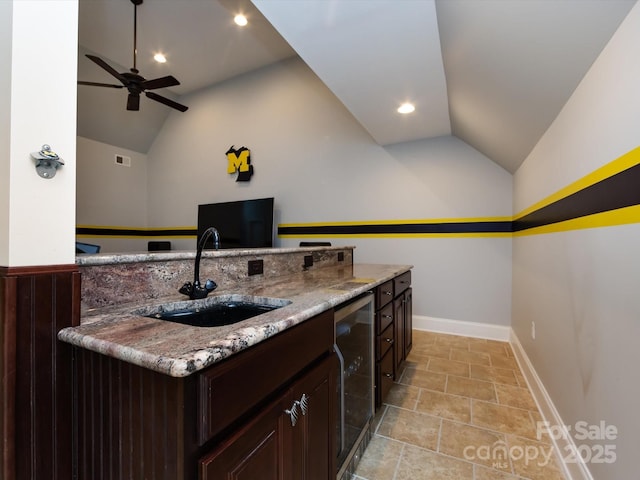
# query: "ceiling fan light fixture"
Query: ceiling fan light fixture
132,80
406,108
160,58
240,20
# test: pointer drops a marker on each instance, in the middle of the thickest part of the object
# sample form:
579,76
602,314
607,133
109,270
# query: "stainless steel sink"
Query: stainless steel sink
213,311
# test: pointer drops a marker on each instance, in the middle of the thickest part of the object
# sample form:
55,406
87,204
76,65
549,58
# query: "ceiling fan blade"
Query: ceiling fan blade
166,101
162,82
133,102
107,67
96,84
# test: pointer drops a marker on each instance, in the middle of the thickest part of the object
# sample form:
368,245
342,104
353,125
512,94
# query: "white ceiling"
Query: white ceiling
494,73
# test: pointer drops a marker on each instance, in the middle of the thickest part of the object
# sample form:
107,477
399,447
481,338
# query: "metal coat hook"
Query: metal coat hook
47,162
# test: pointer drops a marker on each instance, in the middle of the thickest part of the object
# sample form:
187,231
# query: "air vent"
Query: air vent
122,160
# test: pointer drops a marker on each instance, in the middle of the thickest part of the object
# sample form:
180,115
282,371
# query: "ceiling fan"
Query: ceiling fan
132,80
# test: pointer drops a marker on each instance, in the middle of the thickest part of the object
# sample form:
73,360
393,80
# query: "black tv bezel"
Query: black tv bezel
202,226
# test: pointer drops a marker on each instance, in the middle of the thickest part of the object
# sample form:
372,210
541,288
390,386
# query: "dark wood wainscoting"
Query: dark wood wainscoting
37,376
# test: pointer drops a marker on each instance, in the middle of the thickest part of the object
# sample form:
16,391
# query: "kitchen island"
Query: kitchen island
162,400
113,326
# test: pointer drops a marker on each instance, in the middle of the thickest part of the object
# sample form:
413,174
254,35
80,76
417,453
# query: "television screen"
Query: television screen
241,224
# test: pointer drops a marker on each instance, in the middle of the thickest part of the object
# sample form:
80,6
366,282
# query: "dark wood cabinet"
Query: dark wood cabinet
394,334
228,421
288,439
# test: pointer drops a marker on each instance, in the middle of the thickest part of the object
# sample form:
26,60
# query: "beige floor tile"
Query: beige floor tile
534,460
444,405
542,433
423,379
481,358
515,397
503,361
453,341
435,351
424,338
493,374
521,380
418,464
483,473
469,387
474,444
463,392
503,419
418,358
491,347
452,367
411,427
380,459
404,396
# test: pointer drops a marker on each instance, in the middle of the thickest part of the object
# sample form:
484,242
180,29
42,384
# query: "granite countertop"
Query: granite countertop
180,350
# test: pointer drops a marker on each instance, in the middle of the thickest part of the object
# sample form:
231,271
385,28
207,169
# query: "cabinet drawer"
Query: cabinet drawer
385,341
229,390
384,294
384,318
385,375
401,283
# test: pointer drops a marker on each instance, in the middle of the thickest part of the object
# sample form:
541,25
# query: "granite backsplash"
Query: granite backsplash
114,279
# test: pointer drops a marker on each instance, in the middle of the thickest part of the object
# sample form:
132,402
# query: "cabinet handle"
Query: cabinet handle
388,375
388,340
293,413
387,316
303,403
388,293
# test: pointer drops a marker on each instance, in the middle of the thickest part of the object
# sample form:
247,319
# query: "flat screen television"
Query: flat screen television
241,224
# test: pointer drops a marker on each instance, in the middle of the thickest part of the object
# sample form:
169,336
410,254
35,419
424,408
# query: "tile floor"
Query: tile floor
460,410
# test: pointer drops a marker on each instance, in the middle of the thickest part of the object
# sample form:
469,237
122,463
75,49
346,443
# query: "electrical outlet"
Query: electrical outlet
256,267
308,261
533,330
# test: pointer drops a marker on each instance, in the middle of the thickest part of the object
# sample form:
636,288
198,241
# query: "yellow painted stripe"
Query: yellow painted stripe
412,221
622,163
403,235
146,229
621,216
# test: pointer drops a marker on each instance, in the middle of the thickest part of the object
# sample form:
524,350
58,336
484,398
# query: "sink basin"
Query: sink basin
214,311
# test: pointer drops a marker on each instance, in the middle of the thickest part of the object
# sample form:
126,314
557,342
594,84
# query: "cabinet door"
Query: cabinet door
398,318
408,321
257,450
279,445
313,434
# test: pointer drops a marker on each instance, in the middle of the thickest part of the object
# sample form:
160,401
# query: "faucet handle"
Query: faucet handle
210,285
186,289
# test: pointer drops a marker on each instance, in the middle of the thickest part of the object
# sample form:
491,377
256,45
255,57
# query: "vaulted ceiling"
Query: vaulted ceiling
494,73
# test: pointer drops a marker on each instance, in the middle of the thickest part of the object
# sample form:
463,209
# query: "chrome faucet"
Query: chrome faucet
195,290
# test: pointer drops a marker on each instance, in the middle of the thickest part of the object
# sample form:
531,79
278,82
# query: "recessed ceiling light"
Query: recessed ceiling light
240,20
406,108
160,58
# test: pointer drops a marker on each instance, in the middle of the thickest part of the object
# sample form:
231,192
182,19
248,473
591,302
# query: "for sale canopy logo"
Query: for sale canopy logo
240,161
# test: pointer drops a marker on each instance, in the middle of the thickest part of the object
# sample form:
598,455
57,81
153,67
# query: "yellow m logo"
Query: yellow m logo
240,161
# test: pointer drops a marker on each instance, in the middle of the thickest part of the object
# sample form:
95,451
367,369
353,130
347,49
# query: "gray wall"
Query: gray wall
322,166
580,287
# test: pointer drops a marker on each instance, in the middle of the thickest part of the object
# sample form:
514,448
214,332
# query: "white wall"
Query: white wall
6,23
109,194
38,100
581,287
322,166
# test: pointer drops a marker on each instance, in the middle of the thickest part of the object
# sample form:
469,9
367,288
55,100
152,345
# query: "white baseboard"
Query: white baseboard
573,471
460,327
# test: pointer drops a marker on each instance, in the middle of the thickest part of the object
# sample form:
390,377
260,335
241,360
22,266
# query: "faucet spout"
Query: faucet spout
195,290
